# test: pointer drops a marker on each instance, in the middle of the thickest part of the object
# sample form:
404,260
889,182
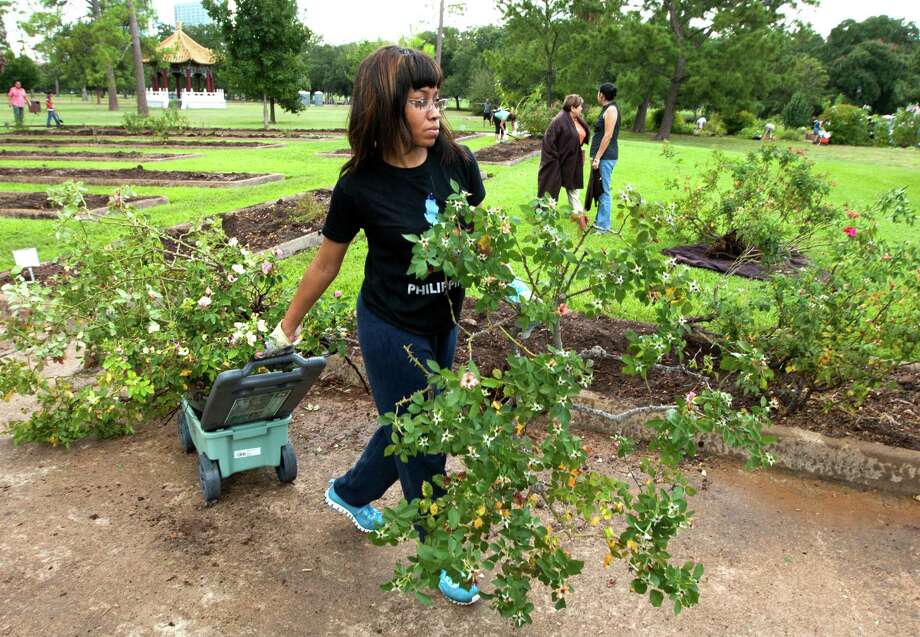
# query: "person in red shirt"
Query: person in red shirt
52,114
18,100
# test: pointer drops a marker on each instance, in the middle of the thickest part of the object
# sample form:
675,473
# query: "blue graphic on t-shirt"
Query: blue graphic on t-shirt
431,210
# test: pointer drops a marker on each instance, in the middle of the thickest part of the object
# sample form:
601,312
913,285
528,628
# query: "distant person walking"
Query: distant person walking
487,112
18,101
52,114
562,159
604,150
816,131
701,124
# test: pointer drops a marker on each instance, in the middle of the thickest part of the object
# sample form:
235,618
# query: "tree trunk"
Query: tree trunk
457,100
96,9
272,105
139,79
57,86
550,78
670,104
641,112
98,96
264,111
84,94
440,40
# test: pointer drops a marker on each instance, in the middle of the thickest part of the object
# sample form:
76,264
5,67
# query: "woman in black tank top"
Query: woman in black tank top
605,150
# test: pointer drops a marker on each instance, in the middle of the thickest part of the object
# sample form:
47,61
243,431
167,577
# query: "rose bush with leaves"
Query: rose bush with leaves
526,490
160,314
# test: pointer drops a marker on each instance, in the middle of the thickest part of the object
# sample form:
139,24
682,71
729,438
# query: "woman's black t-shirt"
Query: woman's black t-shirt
388,202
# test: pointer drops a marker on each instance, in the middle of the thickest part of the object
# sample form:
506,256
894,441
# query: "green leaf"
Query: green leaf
656,597
426,489
424,599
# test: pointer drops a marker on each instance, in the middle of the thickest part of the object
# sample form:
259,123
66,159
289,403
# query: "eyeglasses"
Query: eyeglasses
426,105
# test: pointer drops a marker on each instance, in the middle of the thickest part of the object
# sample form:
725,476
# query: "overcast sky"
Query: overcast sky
340,21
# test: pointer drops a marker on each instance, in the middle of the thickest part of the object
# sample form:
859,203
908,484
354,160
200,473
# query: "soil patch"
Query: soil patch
37,205
306,133
891,414
267,225
186,143
137,175
120,155
515,151
44,274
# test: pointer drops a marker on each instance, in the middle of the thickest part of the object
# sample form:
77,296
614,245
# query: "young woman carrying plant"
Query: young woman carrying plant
396,183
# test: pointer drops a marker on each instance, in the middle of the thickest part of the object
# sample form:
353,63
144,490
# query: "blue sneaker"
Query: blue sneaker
366,518
455,593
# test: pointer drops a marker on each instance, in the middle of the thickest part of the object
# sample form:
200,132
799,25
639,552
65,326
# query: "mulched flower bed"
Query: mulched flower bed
269,224
890,415
190,132
57,143
120,155
36,204
256,227
509,151
136,175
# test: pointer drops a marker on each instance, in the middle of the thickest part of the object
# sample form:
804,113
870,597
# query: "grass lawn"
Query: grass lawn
860,174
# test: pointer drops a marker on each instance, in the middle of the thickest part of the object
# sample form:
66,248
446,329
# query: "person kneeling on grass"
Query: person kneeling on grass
396,183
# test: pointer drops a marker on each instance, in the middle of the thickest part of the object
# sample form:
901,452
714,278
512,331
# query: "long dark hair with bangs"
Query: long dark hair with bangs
377,123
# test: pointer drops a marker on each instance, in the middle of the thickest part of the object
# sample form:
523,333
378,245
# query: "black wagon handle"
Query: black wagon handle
283,358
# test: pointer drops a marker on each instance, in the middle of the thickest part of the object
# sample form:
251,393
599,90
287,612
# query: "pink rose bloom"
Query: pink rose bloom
279,253
266,267
850,231
563,310
204,302
852,214
690,397
231,278
337,294
469,380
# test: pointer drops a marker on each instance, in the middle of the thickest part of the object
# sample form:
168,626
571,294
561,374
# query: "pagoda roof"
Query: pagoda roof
179,48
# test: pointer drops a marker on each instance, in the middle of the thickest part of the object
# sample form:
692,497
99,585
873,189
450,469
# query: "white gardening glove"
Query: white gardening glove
521,291
278,340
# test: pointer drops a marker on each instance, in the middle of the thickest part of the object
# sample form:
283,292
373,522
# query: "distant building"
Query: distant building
191,14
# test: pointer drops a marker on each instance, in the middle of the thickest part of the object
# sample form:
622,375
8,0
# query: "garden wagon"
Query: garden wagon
244,421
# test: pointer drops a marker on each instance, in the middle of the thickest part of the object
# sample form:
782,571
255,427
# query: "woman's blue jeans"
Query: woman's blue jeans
604,201
392,376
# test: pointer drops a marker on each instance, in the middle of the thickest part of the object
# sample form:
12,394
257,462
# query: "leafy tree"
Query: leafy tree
874,61
4,43
539,28
798,111
464,58
20,68
707,35
266,50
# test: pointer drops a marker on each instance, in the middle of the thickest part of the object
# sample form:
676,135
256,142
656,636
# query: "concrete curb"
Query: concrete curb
510,162
107,181
95,156
866,464
27,213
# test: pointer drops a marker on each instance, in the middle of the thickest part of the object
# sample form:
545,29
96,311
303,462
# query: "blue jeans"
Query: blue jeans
17,115
603,203
52,115
392,377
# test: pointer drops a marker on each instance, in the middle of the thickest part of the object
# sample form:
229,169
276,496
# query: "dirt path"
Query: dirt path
111,538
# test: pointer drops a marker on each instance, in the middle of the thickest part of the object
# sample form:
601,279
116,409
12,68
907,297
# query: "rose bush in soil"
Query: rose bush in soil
845,321
526,490
160,315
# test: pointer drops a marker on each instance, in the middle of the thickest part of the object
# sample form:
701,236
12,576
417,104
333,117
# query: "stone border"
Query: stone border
859,462
108,181
102,157
28,213
510,162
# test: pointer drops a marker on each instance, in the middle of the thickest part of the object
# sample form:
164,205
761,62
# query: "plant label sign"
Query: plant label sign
247,453
27,258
